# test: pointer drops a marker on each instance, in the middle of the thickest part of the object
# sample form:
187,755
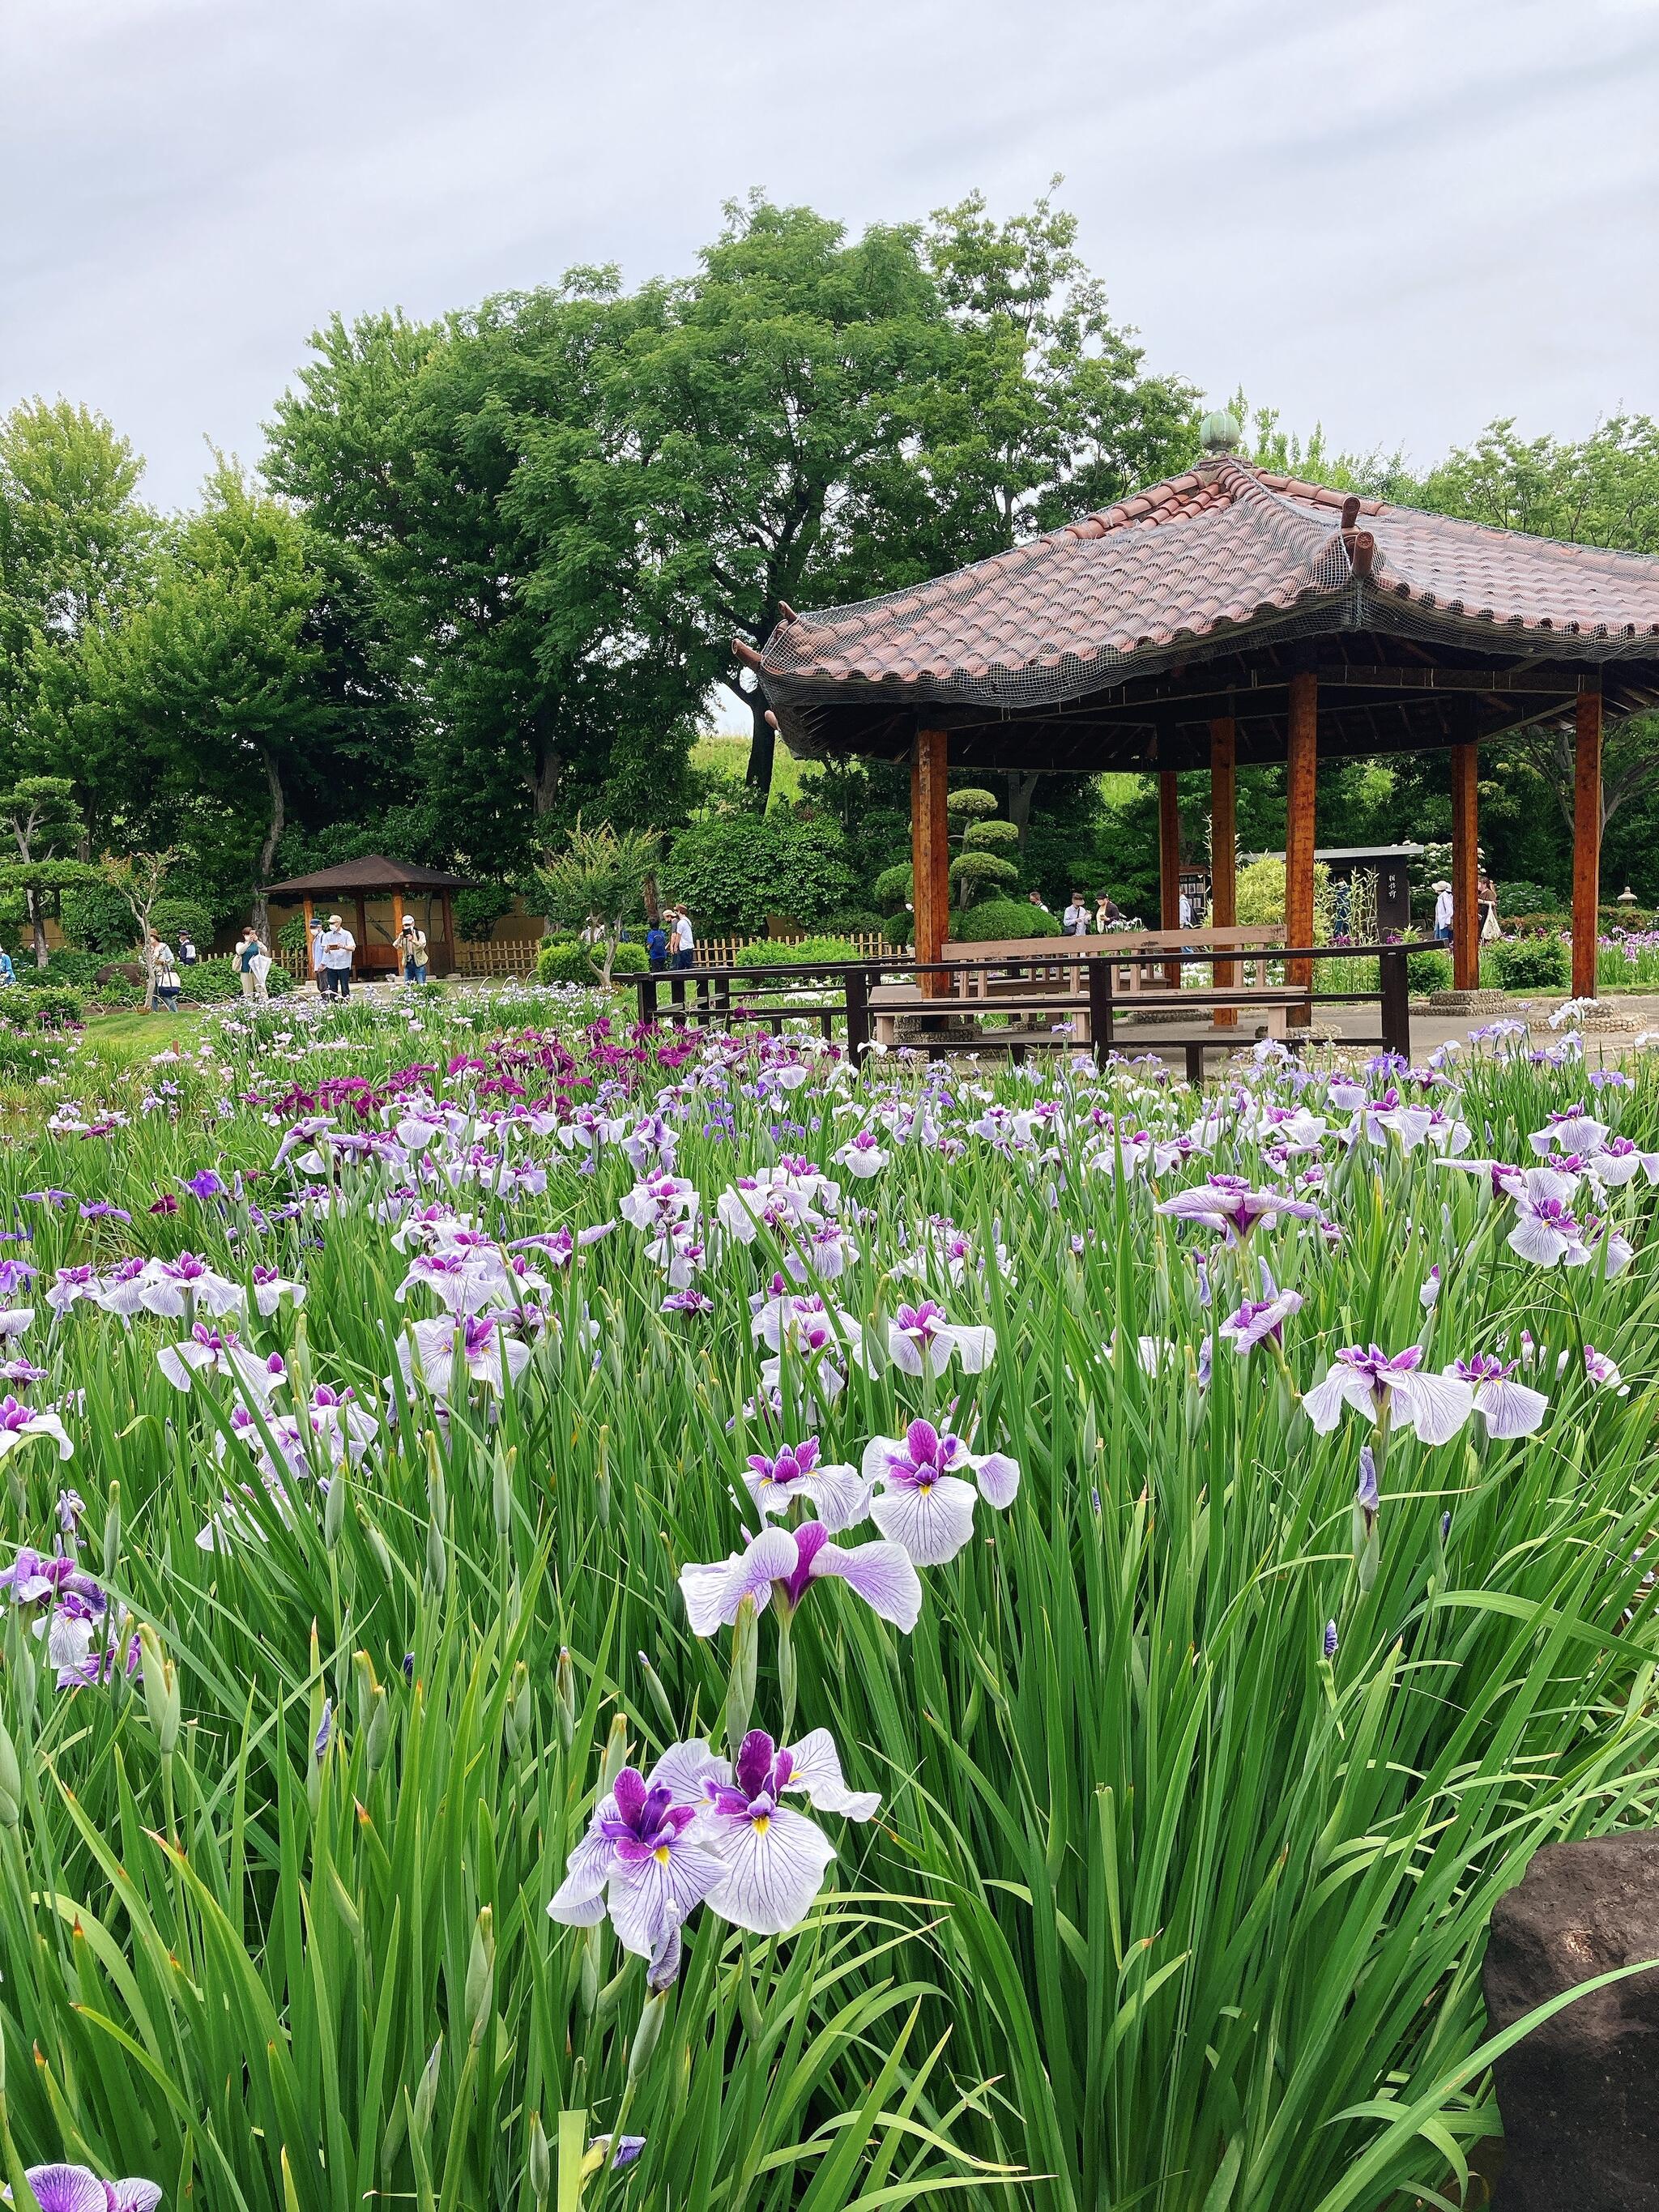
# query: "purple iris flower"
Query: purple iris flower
639,1859
1330,1639
1260,1321
1508,1408
34,1575
923,1501
839,1496
101,1210
782,1563
324,1730
773,1859
1390,1390
78,2189
1227,1204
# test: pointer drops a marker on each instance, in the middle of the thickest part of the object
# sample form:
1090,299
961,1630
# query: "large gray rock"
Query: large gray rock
1580,2096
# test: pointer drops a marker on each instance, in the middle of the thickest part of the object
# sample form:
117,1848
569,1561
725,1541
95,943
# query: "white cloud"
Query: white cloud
1401,220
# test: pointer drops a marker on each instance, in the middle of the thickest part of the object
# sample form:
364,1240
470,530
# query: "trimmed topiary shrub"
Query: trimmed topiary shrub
995,918
211,982
781,953
1530,964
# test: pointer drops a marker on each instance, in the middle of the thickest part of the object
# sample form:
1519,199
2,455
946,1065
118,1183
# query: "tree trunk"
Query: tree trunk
35,906
546,772
272,839
762,745
653,899
1022,790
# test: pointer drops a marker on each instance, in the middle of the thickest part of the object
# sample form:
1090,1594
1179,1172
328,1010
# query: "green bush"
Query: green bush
779,952
210,982
1429,971
971,870
95,918
55,1006
734,870
893,886
900,929
860,921
1530,964
995,918
478,910
172,915
63,967
565,960
1524,897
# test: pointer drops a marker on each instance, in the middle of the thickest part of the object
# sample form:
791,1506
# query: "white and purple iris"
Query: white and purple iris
783,1564
839,1498
639,1861
1509,1408
21,1425
773,1860
78,2189
1392,1393
1228,1204
1262,1321
924,1501
921,1340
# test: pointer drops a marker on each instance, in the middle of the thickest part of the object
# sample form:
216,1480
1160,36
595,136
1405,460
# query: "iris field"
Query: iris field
1019,1619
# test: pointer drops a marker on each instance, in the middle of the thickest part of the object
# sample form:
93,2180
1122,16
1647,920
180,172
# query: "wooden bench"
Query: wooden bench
1240,971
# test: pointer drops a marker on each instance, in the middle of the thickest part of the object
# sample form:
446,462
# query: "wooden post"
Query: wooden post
1168,862
1100,1008
1301,766
856,986
1586,844
311,927
1465,870
930,854
363,938
1223,852
1395,1001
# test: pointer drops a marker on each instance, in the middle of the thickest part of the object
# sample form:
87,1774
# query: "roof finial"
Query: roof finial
1219,432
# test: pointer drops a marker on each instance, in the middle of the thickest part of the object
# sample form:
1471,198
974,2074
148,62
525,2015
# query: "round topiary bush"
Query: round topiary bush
565,960
997,918
1428,971
1530,964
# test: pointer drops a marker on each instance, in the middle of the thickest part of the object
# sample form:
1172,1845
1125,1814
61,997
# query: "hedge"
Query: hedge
1530,964
565,960
994,918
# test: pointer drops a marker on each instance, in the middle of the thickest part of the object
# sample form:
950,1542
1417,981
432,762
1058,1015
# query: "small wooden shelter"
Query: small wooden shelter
1226,618
374,894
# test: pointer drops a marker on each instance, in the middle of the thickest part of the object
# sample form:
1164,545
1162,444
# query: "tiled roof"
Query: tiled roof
372,874
1221,548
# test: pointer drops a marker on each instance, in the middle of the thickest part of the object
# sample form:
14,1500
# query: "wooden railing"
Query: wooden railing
859,997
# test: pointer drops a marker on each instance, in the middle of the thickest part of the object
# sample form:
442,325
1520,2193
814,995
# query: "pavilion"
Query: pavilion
402,886
1226,618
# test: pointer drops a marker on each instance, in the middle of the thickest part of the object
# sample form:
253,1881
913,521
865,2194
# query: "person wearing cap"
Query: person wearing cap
411,950
1076,919
337,948
684,939
1443,909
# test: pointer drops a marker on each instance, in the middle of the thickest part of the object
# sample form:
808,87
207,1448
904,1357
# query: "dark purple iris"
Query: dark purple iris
649,1822
926,1457
762,1775
793,1463
479,1330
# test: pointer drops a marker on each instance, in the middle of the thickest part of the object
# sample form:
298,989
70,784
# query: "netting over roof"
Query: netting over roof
1224,556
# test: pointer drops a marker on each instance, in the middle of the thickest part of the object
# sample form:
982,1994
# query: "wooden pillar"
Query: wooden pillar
930,854
1301,766
1168,862
1465,870
1223,851
450,953
310,926
362,936
1586,844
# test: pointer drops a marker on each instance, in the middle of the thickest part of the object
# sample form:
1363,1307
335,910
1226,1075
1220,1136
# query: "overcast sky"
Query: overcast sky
1399,219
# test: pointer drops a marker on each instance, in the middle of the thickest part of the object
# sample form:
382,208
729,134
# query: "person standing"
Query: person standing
188,956
1443,909
1108,913
1036,899
1487,891
165,968
337,949
411,945
317,933
686,940
246,954
1075,920
8,973
656,945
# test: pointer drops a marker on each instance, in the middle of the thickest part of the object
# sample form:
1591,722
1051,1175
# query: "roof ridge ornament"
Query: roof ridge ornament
1220,432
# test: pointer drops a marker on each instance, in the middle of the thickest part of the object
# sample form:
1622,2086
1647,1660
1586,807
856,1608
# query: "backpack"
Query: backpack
656,943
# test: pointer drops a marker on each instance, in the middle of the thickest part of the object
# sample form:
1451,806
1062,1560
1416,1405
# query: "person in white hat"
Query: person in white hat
338,948
1443,909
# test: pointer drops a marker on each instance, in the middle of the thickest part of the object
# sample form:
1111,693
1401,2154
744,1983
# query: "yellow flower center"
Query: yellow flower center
661,1855
763,1822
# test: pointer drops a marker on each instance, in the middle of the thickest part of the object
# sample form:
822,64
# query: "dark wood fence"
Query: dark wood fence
857,997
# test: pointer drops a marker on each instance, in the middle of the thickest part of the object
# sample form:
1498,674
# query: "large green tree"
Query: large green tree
215,691
505,625
77,547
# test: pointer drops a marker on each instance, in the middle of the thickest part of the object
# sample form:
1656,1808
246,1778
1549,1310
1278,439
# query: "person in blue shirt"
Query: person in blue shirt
8,973
656,947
